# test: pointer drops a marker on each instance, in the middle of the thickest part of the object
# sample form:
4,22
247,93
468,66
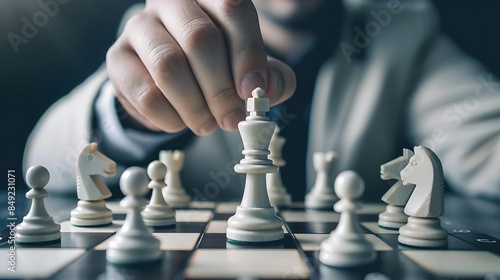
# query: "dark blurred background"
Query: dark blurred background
73,43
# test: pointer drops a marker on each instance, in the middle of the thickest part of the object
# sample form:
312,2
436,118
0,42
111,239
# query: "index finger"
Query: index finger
238,21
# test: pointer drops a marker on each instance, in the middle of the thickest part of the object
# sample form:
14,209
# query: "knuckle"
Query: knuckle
134,20
224,94
231,4
166,59
235,7
149,96
199,34
198,117
173,125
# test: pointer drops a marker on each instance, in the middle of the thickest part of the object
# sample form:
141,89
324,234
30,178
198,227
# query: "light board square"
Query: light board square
312,242
66,226
281,264
456,263
37,263
172,241
310,216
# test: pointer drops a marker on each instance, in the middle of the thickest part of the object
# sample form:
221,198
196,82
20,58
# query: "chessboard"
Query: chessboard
196,248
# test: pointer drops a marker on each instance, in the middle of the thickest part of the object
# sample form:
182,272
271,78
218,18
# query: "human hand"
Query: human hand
187,63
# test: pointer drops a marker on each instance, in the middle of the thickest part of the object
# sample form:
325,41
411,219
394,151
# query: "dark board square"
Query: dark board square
93,265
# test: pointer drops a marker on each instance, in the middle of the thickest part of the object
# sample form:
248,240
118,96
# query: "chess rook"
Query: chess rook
255,219
321,195
157,213
37,226
347,246
397,196
278,195
133,243
91,209
174,193
426,202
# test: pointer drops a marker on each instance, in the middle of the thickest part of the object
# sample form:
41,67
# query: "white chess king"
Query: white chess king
255,220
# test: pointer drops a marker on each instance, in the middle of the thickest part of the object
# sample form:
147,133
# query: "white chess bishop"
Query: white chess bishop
157,213
37,226
174,193
255,220
321,195
133,243
91,167
396,197
347,246
277,192
426,203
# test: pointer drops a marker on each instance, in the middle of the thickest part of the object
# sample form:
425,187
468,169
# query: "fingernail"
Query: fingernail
208,128
230,122
250,82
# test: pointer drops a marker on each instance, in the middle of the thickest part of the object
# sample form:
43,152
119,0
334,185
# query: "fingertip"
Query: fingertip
249,82
281,82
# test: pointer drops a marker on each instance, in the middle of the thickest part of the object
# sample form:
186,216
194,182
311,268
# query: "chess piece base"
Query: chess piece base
393,217
158,216
91,213
423,233
133,249
280,199
37,230
346,252
323,201
254,225
176,199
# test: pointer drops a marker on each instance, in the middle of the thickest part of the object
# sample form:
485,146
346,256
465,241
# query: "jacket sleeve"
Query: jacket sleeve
455,111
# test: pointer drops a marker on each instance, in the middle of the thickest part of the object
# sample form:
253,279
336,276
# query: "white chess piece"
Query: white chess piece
347,246
174,194
426,203
157,213
321,196
278,195
255,219
396,197
37,225
133,243
91,166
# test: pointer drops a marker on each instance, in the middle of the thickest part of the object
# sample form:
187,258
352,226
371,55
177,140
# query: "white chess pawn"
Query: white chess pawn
38,225
255,219
278,195
133,243
347,246
157,213
321,195
174,194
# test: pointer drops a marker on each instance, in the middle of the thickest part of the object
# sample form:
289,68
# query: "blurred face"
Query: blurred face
294,14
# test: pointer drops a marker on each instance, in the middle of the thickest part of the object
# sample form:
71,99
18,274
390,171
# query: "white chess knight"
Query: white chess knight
426,203
133,243
396,197
321,195
37,226
255,219
157,213
91,167
174,193
347,246
278,195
